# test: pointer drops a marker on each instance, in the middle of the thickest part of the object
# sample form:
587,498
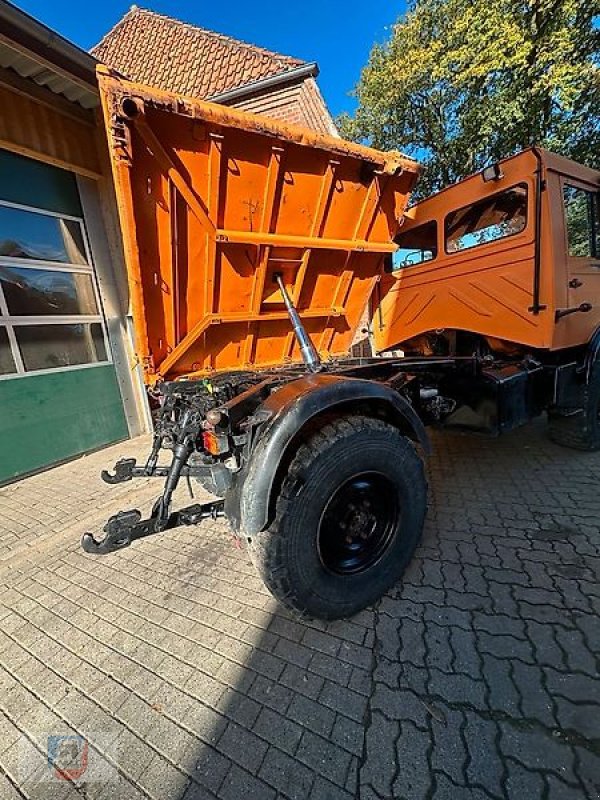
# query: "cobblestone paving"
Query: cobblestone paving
477,677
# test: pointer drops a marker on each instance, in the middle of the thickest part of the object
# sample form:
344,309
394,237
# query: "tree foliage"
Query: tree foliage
461,83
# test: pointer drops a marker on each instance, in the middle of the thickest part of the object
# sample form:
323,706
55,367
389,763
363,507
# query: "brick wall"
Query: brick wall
300,103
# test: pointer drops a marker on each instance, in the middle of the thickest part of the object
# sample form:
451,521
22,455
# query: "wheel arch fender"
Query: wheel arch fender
289,412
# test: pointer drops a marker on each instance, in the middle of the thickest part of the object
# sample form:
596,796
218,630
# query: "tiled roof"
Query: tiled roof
163,52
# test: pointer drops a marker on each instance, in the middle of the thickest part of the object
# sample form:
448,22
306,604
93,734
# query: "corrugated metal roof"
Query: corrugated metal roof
36,52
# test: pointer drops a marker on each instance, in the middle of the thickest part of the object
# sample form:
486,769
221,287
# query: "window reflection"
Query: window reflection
486,221
583,222
29,234
416,245
51,346
42,292
30,291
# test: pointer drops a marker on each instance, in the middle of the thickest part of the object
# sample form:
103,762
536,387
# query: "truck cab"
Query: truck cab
511,254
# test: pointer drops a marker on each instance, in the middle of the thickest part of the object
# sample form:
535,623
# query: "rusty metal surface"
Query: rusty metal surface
214,201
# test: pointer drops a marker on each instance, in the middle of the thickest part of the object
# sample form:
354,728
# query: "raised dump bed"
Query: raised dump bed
214,202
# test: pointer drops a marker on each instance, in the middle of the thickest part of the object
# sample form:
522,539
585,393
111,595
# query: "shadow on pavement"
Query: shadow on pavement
476,677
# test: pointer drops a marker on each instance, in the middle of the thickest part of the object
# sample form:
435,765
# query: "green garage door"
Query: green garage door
58,390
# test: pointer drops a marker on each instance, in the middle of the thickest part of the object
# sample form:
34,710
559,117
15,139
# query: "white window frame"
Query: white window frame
10,321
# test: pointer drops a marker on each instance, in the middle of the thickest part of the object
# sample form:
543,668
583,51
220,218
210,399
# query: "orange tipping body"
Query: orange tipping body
214,202
467,260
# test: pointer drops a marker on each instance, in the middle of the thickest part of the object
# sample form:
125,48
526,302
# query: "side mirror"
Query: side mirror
492,173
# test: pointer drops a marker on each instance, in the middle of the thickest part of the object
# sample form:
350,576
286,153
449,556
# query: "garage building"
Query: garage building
68,382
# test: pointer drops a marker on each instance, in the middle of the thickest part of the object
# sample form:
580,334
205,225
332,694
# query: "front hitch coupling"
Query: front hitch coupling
118,532
124,471
126,526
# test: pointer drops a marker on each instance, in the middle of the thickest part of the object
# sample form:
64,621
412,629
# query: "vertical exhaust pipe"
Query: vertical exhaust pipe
307,348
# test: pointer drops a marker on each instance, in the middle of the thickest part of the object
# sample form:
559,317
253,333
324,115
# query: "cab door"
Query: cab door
581,205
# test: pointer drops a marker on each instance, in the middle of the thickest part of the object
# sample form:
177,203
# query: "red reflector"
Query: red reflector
210,442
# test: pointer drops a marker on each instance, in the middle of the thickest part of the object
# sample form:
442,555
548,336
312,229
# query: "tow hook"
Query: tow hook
126,526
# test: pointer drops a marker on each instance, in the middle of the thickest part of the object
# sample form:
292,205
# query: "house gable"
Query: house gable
165,53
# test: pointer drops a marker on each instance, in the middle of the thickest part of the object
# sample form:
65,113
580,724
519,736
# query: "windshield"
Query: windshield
416,246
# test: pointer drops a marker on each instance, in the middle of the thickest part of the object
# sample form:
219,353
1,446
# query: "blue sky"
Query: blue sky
337,36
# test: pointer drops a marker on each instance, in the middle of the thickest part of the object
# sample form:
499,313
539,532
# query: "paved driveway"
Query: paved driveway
477,677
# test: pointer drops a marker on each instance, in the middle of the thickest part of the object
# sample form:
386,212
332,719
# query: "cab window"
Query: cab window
582,222
416,246
487,220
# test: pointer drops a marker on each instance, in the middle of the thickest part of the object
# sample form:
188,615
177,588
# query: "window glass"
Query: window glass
7,363
582,221
30,292
29,234
416,246
51,346
27,181
42,291
486,221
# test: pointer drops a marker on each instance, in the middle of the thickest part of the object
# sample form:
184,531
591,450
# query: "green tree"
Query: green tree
461,83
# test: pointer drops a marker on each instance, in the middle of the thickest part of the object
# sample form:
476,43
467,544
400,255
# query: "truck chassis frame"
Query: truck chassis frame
520,390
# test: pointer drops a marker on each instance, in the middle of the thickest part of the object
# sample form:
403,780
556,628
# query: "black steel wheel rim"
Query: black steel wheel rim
358,523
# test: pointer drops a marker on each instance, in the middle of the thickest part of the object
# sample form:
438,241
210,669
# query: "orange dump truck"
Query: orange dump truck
253,249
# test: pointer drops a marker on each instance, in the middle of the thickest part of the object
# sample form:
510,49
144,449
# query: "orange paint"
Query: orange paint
487,287
213,201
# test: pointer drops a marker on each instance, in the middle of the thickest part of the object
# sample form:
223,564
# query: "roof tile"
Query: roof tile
159,51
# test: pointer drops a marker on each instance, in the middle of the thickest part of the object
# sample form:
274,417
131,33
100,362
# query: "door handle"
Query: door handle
584,308
575,283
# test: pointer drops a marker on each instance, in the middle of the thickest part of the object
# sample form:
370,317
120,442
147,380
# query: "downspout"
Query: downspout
301,72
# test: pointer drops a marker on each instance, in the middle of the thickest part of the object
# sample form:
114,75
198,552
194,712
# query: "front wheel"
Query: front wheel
580,430
348,518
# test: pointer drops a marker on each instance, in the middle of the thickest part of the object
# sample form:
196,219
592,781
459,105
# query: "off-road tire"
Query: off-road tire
287,555
580,431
